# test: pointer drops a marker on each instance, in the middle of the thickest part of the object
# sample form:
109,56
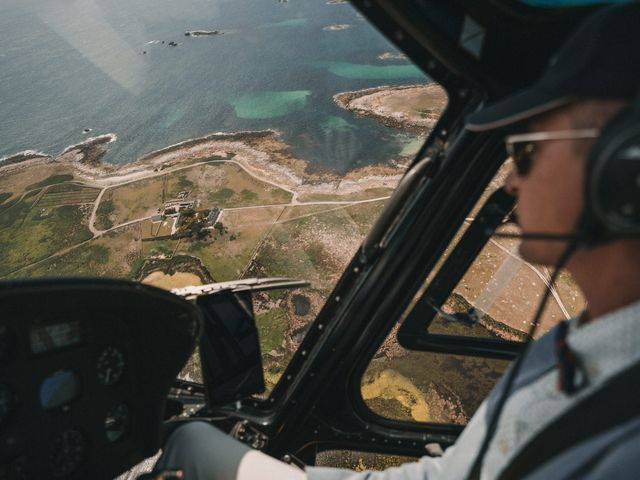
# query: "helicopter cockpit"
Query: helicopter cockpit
301,251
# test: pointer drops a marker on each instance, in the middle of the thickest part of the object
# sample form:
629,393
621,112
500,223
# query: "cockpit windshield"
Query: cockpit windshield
181,143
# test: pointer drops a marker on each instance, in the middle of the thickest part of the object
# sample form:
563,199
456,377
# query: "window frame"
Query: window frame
317,405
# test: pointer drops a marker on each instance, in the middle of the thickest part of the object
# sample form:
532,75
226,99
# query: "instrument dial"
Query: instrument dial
66,453
110,366
116,423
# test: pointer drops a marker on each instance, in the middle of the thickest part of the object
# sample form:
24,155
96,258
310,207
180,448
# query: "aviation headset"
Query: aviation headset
612,181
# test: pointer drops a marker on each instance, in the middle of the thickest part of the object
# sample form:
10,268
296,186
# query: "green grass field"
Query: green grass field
103,214
272,326
71,194
117,255
316,242
53,179
215,184
31,234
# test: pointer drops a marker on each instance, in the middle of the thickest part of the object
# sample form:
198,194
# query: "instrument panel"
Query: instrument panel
84,372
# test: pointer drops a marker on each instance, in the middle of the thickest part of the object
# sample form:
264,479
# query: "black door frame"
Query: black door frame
317,404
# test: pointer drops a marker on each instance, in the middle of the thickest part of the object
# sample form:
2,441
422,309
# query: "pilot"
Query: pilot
566,414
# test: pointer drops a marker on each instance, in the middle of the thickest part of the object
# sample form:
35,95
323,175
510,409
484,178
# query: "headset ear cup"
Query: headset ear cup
612,183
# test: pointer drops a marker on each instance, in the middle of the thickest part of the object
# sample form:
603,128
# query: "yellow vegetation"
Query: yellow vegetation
177,280
391,385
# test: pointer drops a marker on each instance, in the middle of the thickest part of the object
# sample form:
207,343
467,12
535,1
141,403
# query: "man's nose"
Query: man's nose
511,183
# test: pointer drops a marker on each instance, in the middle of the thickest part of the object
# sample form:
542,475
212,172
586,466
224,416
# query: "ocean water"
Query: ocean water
102,64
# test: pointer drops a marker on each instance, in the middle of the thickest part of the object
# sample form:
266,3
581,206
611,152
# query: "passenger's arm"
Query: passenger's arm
203,452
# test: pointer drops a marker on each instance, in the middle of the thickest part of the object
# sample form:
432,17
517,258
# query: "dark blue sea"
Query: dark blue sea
67,65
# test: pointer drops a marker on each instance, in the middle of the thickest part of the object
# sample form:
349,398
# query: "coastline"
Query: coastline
22,157
88,151
261,152
423,105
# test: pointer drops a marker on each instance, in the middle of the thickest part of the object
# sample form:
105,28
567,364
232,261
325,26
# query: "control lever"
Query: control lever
245,433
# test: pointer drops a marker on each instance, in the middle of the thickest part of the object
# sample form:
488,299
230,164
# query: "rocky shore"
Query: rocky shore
91,150
88,152
23,157
261,153
413,108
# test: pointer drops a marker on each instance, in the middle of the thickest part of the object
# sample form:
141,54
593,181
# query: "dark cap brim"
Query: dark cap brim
514,109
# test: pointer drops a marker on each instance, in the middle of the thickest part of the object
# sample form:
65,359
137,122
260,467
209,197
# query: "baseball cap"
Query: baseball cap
601,59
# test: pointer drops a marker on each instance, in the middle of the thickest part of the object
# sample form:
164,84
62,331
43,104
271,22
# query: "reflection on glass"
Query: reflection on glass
503,288
506,290
59,389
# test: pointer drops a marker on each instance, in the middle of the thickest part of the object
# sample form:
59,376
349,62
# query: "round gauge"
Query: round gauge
116,423
6,402
110,366
66,453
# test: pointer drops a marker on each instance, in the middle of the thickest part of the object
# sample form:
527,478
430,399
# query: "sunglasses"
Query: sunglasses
522,147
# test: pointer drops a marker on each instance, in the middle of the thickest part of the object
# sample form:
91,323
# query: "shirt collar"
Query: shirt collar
607,344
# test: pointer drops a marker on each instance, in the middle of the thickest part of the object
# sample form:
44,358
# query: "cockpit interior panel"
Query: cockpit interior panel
88,366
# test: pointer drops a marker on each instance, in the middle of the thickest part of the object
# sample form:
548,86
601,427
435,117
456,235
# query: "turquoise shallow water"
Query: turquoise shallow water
372,72
102,64
270,104
336,124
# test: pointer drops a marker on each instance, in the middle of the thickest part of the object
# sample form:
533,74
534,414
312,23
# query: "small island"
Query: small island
335,28
202,33
392,56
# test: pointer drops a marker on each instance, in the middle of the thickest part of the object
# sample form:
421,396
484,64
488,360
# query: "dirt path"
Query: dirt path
92,218
261,178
